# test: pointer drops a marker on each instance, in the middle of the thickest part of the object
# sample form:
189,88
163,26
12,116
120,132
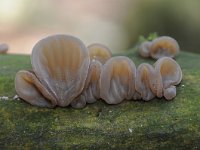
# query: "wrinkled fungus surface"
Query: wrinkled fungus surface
66,72
163,46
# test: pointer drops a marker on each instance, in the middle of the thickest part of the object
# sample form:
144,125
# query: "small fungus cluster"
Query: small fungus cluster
163,46
66,72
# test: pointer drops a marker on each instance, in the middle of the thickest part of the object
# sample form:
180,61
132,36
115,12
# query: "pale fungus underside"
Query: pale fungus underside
157,124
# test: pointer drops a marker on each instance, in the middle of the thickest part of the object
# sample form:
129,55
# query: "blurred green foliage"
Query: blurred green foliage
176,18
150,37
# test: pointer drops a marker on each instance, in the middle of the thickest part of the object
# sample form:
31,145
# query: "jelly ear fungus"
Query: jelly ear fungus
65,72
117,80
60,64
163,46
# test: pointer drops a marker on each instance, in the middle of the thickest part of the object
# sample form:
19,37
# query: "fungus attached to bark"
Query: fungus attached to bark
117,80
91,91
163,46
30,89
65,74
60,64
171,75
144,81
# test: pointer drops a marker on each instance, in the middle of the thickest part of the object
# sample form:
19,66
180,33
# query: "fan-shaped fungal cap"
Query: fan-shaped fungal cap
164,46
29,88
3,48
145,79
117,80
171,75
144,49
60,63
99,52
91,91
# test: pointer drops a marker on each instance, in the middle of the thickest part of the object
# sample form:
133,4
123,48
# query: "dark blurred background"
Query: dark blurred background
116,23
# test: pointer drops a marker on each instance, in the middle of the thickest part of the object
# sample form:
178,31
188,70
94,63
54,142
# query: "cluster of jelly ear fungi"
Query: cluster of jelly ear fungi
163,46
66,72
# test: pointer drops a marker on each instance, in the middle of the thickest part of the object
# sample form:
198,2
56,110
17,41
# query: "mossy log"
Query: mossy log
155,124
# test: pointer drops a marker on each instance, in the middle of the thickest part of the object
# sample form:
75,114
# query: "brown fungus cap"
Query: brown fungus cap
60,64
99,52
117,80
144,81
91,91
164,46
171,75
29,88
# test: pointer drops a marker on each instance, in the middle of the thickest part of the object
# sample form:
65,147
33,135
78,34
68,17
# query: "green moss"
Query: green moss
132,124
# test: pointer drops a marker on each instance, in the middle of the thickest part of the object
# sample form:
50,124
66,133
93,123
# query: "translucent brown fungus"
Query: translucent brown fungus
99,52
117,80
144,78
60,63
91,91
171,75
163,46
66,73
